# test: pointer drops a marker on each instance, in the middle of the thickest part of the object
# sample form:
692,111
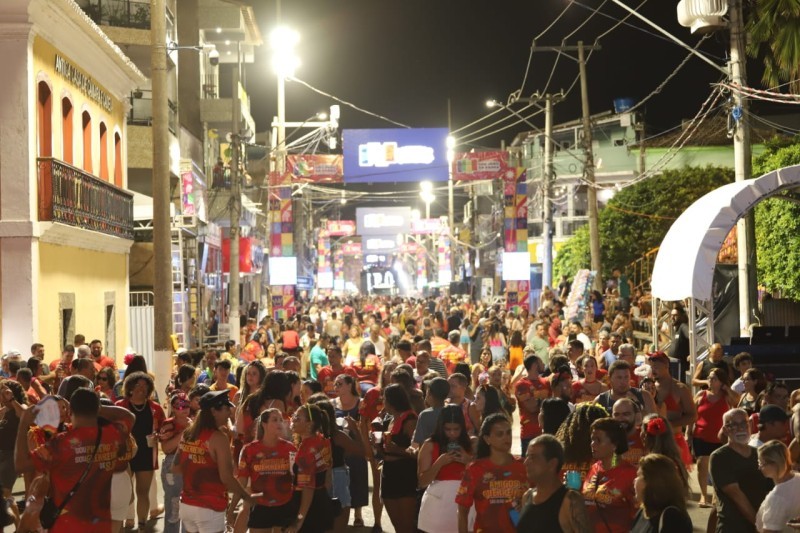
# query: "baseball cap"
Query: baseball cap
215,400
658,356
772,413
439,387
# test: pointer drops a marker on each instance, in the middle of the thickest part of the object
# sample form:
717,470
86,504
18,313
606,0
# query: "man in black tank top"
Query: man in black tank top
550,506
619,378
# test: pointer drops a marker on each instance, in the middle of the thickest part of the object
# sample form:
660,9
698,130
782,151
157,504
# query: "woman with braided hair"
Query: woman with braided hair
576,435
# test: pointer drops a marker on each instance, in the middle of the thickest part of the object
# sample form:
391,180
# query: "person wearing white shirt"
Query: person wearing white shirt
782,503
742,363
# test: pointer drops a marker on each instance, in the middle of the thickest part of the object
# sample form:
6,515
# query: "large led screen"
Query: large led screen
395,155
382,221
283,271
516,266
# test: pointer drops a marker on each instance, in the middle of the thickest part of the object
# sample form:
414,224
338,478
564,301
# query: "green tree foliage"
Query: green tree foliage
773,32
573,255
778,225
638,217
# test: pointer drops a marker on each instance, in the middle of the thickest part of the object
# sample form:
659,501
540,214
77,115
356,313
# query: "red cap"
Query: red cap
658,355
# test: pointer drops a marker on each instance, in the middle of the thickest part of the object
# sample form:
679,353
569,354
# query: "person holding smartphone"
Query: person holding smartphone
440,466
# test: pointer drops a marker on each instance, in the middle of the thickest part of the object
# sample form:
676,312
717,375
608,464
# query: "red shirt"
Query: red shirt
450,472
611,491
371,405
291,341
635,449
269,471
452,355
65,457
104,362
530,388
369,372
494,490
327,375
202,486
312,461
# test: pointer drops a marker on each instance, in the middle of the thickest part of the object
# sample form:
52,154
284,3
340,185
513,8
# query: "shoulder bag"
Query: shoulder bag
50,511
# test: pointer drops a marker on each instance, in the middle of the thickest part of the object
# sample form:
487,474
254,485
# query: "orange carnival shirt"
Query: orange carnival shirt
312,461
610,499
269,471
65,457
494,490
202,486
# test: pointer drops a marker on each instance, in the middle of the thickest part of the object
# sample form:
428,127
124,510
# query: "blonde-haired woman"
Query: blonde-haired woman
783,501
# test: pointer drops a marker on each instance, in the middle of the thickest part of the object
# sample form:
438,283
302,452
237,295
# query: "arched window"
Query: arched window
117,160
87,141
44,112
66,130
103,151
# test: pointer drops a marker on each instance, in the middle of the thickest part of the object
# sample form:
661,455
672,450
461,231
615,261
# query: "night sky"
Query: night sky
404,59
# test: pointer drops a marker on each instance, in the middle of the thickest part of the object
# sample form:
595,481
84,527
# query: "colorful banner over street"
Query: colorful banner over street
515,201
316,168
341,228
480,166
280,216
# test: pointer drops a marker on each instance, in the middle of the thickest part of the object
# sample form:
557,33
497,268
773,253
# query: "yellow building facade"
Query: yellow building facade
66,220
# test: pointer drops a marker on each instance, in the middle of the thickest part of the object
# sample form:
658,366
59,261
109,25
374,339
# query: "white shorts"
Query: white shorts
121,494
199,520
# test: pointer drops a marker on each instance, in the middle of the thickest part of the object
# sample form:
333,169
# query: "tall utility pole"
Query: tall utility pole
548,176
451,219
745,227
588,165
162,245
236,207
591,193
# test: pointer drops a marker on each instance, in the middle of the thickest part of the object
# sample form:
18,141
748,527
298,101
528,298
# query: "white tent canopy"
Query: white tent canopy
684,267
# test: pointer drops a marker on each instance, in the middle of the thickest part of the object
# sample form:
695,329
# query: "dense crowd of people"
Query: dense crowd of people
283,430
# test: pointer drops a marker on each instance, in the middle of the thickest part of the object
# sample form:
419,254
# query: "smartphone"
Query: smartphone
453,447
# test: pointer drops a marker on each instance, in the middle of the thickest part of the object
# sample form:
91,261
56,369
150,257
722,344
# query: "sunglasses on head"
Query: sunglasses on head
180,405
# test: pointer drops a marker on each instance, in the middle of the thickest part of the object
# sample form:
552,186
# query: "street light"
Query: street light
426,193
283,40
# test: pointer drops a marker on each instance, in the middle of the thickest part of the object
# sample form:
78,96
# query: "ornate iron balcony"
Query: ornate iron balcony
71,196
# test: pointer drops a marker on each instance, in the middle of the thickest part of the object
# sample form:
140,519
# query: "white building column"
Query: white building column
19,255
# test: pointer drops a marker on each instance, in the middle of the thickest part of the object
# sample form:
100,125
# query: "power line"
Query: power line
468,136
348,104
671,75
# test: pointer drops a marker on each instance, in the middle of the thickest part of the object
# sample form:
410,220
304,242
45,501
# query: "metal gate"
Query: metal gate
140,324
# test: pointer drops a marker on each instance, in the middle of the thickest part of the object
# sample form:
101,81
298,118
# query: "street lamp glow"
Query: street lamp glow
285,65
426,186
283,38
492,103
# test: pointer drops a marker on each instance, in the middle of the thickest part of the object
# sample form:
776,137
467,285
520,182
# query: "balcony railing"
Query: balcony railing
71,196
141,112
120,13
